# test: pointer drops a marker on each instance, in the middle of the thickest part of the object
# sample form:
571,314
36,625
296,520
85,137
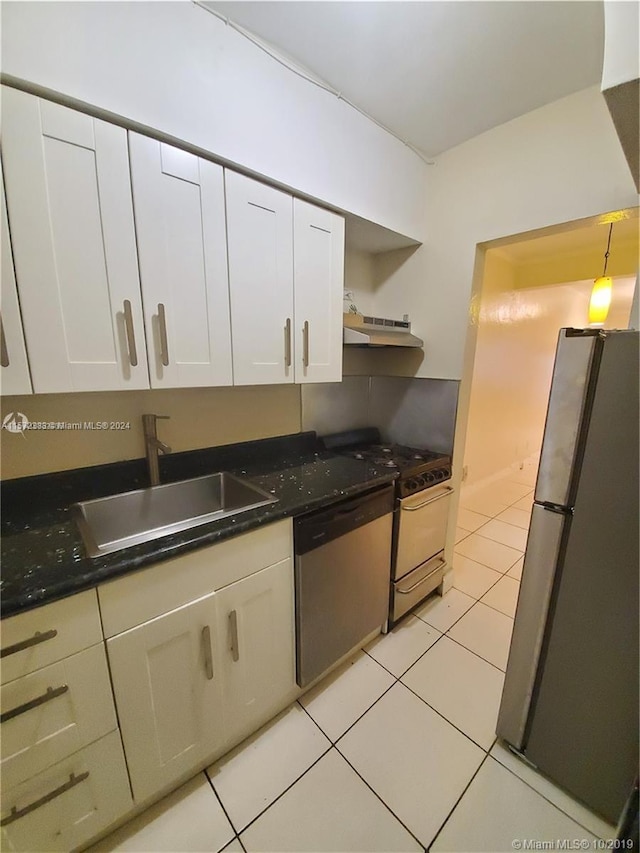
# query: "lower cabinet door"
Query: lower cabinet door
256,635
70,803
167,683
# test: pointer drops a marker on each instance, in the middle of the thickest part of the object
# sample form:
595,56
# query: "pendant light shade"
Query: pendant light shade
601,292
600,300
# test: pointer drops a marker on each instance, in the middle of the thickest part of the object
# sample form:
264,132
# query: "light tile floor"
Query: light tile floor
396,750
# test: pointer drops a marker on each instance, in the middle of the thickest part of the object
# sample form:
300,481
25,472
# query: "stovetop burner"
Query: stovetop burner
418,468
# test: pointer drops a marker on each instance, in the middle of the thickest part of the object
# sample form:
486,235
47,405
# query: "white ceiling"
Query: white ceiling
436,73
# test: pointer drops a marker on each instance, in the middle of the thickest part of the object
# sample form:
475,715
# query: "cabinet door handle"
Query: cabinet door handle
51,693
287,343
233,624
131,336
26,644
4,352
305,344
16,813
164,343
208,654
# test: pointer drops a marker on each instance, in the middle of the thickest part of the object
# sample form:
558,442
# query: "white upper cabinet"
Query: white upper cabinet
260,243
71,216
286,278
180,225
318,240
13,355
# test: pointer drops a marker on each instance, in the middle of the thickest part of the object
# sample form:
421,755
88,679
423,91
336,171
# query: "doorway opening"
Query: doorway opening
527,288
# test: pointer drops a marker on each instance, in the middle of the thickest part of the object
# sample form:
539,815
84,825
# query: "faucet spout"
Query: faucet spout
160,446
153,445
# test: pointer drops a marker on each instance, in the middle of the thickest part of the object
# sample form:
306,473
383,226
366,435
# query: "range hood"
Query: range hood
378,332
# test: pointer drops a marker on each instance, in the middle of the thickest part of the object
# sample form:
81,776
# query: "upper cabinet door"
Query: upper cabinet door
318,237
13,355
260,244
180,224
71,216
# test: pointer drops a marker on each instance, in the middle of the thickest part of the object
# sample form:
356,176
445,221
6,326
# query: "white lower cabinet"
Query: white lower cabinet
255,632
166,679
54,712
192,682
189,681
65,806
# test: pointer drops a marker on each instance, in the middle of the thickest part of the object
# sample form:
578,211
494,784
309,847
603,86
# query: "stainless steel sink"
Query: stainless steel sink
119,521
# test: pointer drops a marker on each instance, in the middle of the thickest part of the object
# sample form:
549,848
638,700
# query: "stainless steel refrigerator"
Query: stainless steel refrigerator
570,699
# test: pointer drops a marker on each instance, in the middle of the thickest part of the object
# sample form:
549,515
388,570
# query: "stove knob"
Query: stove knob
411,486
439,474
430,477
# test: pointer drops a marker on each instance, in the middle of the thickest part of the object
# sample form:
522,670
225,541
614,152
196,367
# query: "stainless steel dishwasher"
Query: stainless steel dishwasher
342,577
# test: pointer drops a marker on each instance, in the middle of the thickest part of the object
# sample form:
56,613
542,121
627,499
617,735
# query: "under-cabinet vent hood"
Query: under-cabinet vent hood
378,332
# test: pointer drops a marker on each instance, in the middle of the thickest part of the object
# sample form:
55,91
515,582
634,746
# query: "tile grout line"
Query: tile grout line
440,714
503,571
455,805
495,609
377,795
282,793
488,588
544,797
471,651
226,814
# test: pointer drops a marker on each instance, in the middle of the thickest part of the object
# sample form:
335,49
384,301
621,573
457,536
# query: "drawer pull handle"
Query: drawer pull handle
37,638
233,623
208,655
422,580
305,344
287,343
131,335
4,352
16,813
52,693
164,343
444,494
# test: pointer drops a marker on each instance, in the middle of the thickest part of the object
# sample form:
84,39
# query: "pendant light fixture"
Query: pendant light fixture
601,293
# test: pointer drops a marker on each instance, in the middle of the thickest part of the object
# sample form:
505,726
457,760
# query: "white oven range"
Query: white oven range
421,511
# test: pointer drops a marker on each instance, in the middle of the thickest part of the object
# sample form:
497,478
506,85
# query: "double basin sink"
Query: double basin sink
120,521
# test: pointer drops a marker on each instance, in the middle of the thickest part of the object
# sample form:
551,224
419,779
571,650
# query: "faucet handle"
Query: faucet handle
162,417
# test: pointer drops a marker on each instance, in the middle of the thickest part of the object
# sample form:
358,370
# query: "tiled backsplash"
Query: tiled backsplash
417,412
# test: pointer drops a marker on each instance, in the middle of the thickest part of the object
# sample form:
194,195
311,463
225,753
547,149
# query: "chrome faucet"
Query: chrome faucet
153,445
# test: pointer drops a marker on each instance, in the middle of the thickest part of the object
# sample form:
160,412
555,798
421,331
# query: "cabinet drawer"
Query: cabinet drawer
66,805
53,713
144,595
39,637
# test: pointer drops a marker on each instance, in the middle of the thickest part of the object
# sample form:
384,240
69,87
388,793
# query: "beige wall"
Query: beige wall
515,349
200,417
560,163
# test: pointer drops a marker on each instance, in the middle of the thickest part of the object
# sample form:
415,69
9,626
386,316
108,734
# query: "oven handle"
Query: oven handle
422,580
448,491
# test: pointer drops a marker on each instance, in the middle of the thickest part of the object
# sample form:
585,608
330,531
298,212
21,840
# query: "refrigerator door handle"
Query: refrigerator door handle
541,564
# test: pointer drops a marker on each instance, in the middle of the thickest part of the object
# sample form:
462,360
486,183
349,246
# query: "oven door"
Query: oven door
421,527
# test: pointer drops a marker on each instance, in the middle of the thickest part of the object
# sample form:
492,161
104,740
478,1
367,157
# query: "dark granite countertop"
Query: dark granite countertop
44,559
